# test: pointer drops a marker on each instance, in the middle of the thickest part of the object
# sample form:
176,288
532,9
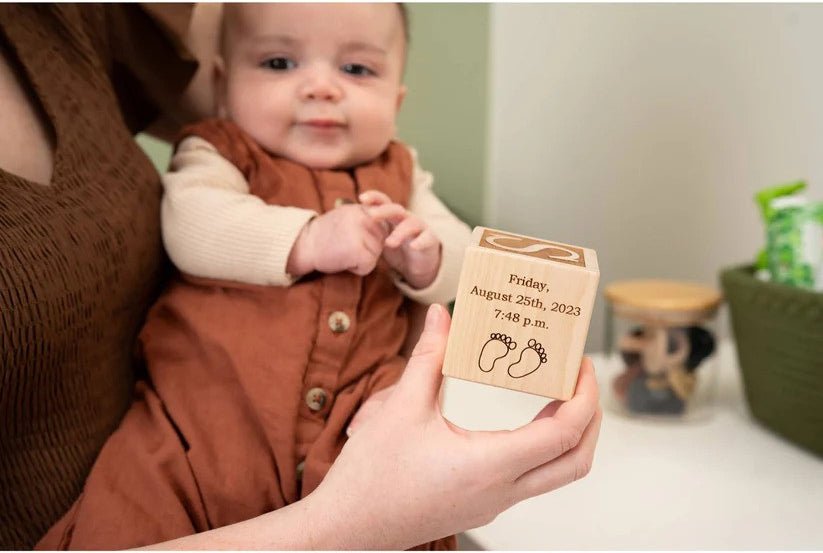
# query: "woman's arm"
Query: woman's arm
202,38
408,476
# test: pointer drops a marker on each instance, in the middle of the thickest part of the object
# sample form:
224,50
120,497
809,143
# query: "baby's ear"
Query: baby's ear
401,95
219,81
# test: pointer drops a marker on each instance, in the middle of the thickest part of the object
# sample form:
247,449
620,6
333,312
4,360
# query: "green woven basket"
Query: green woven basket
778,330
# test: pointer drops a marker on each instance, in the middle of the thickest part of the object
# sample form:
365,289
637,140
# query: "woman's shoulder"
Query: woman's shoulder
135,52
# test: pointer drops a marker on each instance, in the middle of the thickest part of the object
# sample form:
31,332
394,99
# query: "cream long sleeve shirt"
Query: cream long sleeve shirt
214,228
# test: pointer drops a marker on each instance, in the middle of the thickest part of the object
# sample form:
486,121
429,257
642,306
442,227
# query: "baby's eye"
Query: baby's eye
357,69
279,64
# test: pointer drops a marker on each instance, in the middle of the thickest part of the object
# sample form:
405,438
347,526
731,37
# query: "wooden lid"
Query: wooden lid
665,301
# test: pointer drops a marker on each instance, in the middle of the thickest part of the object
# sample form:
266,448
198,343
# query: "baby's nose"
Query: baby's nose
321,85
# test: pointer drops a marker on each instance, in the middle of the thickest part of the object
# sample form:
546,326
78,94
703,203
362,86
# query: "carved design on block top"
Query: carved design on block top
496,240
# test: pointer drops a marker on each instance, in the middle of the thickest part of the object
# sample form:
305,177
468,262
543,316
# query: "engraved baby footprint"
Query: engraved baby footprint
497,347
532,356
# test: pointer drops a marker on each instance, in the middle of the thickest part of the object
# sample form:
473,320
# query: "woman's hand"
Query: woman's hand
369,408
408,476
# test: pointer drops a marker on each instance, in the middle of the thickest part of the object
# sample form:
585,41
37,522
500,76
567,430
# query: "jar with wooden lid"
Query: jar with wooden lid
661,335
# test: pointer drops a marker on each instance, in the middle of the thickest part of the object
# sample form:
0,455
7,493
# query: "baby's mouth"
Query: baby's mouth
322,124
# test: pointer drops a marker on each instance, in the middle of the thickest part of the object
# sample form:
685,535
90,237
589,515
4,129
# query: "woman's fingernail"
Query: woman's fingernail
434,314
348,432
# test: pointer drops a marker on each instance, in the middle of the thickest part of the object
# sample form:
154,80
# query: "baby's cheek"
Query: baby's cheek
376,132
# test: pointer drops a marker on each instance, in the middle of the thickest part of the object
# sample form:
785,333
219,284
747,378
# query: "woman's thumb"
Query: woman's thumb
422,375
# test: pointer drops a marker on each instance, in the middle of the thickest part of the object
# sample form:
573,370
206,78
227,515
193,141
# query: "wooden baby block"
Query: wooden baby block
522,313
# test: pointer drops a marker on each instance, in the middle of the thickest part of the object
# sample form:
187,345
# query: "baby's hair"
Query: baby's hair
228,13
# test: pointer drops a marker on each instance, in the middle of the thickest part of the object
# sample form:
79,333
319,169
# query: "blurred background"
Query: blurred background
641,131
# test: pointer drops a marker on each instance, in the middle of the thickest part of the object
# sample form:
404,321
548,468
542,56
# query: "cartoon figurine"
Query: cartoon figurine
660,365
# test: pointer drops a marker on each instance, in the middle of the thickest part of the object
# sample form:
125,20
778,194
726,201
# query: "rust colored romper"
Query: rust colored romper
253,386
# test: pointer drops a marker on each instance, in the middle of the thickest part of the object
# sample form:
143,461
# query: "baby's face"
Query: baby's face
319,84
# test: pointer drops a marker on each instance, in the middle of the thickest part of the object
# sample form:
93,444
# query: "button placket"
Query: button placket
339,299
316,399
342,201
339,322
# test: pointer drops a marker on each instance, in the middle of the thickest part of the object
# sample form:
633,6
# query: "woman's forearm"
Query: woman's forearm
296,526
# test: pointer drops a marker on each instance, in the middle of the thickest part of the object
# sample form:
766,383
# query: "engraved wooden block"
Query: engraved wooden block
522,313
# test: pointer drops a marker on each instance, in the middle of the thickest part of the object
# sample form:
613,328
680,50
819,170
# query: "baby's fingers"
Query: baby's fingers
407,229
364,253
572,465
374,198
424,241
389,213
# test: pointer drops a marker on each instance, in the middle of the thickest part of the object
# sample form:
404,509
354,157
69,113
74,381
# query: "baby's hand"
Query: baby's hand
411,248
346,238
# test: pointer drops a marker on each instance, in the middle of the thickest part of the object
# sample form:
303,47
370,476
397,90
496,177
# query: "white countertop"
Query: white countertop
722,483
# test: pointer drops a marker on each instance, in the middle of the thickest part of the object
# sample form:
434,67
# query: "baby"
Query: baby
301,229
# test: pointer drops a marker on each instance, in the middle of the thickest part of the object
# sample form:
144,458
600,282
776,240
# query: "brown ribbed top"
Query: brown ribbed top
81,259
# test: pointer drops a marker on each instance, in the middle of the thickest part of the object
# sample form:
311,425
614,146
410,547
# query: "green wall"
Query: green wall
446,111
444,115
157,150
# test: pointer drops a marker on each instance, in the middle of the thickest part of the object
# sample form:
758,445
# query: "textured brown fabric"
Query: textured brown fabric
219,437
80,260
